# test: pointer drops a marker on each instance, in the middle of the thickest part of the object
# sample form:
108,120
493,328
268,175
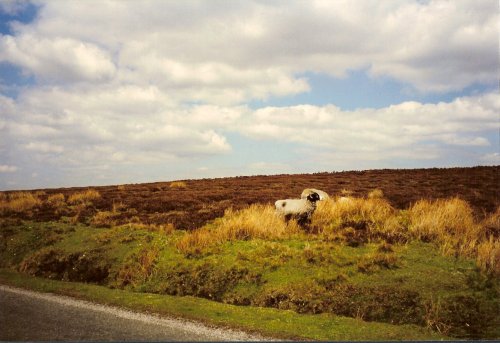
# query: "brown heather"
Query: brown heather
56,200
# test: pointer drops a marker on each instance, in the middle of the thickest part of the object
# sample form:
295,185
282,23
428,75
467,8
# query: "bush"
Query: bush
463,316
178,184
56,201
19,202
363,219
104,219
57,264
376,194
488,256
256,221
450,222
84,198
378,261
139,267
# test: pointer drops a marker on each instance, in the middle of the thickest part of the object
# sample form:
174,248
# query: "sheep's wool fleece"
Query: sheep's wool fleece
322,194
294,206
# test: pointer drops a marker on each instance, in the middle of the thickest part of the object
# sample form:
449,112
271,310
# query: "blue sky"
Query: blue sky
111,92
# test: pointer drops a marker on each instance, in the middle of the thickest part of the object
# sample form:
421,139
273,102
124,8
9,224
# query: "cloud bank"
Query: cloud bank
122,86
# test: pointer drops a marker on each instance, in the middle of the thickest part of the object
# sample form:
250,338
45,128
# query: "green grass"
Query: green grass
272,322
329,286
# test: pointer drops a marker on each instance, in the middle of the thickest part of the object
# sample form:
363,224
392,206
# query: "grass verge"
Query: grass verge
267,321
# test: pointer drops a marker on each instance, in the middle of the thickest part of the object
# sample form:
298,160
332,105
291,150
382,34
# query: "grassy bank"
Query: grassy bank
271,322
360,264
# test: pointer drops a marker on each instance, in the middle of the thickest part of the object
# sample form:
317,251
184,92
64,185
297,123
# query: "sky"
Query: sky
115,92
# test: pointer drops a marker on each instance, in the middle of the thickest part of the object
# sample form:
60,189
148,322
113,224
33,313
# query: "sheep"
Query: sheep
322,195
301,209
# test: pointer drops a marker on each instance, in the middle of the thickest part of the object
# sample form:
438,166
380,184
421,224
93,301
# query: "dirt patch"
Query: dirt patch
57,264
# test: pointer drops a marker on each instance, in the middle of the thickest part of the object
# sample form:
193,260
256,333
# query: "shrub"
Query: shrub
139,267
491,224
377,261
463,316
376,194
178,184
20,202
56,200
256,221
104,219
488,255
84,198
371,214
160,228
450,222
54,263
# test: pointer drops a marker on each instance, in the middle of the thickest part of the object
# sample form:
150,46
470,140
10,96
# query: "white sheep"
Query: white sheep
322,195
301,209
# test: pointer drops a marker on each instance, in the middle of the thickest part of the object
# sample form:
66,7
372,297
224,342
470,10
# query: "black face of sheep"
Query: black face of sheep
313,197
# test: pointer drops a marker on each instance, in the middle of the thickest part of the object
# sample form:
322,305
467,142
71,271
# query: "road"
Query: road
31,316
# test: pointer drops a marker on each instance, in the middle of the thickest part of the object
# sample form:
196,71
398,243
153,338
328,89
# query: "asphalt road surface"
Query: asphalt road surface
31,316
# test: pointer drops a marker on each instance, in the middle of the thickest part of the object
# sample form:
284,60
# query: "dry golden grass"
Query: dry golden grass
19,202
256,221
141,268
178,184
488,255
104,219
86,197
331,214
56,200
450,222
376,194
165,229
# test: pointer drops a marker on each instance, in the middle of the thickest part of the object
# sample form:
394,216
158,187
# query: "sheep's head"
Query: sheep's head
313,197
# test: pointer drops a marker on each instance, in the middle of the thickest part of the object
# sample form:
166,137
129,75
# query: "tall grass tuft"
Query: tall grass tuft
84,198
376,194
488,255
332,214
56,200
178,184
256,221
140,267
19,202
450,222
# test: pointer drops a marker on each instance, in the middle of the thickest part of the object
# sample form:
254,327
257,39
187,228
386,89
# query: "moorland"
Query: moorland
411,254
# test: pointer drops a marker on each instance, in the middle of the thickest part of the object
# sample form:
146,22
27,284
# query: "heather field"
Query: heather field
406,254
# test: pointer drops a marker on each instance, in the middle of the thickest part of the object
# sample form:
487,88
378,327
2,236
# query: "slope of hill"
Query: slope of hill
415,253
191,203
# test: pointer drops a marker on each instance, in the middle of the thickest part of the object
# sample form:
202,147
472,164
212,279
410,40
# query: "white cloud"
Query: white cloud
4,168
269,167
122,83
245,50
57,59
13,7
493,158
393,131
